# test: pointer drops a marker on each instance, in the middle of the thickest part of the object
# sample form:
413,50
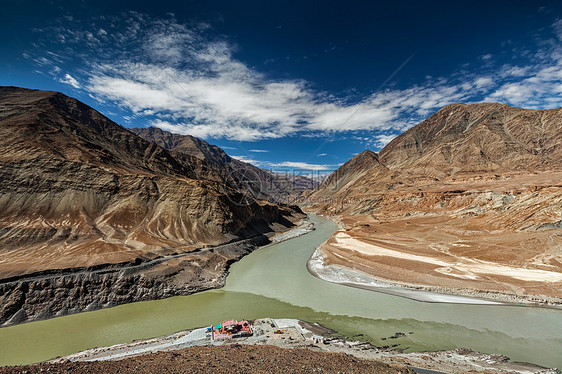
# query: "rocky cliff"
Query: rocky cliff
79,191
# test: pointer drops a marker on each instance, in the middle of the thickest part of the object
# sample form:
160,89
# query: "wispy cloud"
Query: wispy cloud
70,80
286,166
383,139
304,165
184,79
248,160
258,150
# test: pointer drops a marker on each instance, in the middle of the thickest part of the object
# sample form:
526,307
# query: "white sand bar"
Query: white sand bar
461,267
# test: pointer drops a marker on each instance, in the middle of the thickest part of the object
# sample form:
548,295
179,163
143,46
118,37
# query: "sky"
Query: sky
297,86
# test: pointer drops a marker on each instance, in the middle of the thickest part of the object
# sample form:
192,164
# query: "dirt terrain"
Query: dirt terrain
468,200
299,347
87,207
224,359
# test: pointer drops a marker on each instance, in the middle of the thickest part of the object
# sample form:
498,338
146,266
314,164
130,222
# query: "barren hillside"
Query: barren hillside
79,191
470,199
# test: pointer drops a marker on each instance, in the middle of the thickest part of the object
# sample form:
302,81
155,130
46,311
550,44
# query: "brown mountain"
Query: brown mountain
356,176
78,191
479,137
475,190
259,183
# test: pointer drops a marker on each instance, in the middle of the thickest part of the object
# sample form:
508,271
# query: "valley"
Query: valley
104,228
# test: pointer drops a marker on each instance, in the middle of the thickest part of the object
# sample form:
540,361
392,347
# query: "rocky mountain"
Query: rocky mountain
363,169
79,192
479,137
259,183
471,184
458,141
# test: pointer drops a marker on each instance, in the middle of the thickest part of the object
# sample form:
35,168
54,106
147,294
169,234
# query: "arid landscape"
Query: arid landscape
296,186
93,216
468,202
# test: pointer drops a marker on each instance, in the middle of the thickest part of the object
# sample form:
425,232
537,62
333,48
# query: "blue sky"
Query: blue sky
301,85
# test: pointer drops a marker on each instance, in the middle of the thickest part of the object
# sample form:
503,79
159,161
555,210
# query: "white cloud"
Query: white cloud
247,160
321,154
296,165
189,82
258,150
213,130
69,79
483,82
383,139
537,85
304,165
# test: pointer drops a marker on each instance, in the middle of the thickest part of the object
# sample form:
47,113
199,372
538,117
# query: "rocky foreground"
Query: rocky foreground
226,359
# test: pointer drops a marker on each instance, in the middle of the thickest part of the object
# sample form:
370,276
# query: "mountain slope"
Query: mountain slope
479,137
261,184
361,170
77,190
464,200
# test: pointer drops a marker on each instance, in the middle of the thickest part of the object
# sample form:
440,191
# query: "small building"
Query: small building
232,329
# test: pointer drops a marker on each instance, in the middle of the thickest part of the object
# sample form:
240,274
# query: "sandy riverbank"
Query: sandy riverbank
298,343
419,259
318,266
355,278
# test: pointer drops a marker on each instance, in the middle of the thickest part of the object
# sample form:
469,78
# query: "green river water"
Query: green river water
274,282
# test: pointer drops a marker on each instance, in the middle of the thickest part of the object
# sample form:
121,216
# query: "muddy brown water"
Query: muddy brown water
274,282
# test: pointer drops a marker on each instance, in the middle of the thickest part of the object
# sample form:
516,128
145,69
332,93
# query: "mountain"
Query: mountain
259,183
471,185
479,137
355,176
79,192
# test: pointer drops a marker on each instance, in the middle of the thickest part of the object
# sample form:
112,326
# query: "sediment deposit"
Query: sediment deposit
470,199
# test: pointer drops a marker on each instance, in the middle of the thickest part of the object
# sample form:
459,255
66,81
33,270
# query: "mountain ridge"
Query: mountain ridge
471,185
482,126
259,183
78,191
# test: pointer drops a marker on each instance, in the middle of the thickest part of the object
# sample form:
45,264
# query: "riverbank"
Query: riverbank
41,296
354,257
274,282
296,349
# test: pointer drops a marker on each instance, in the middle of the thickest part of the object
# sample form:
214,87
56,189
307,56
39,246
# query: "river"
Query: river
274,282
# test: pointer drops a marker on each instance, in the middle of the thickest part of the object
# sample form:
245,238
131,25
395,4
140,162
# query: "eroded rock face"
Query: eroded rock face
259,183
479,183
478,138
77,190
67,291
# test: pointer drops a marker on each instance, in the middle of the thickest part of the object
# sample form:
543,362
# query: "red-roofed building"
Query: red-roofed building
232,329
